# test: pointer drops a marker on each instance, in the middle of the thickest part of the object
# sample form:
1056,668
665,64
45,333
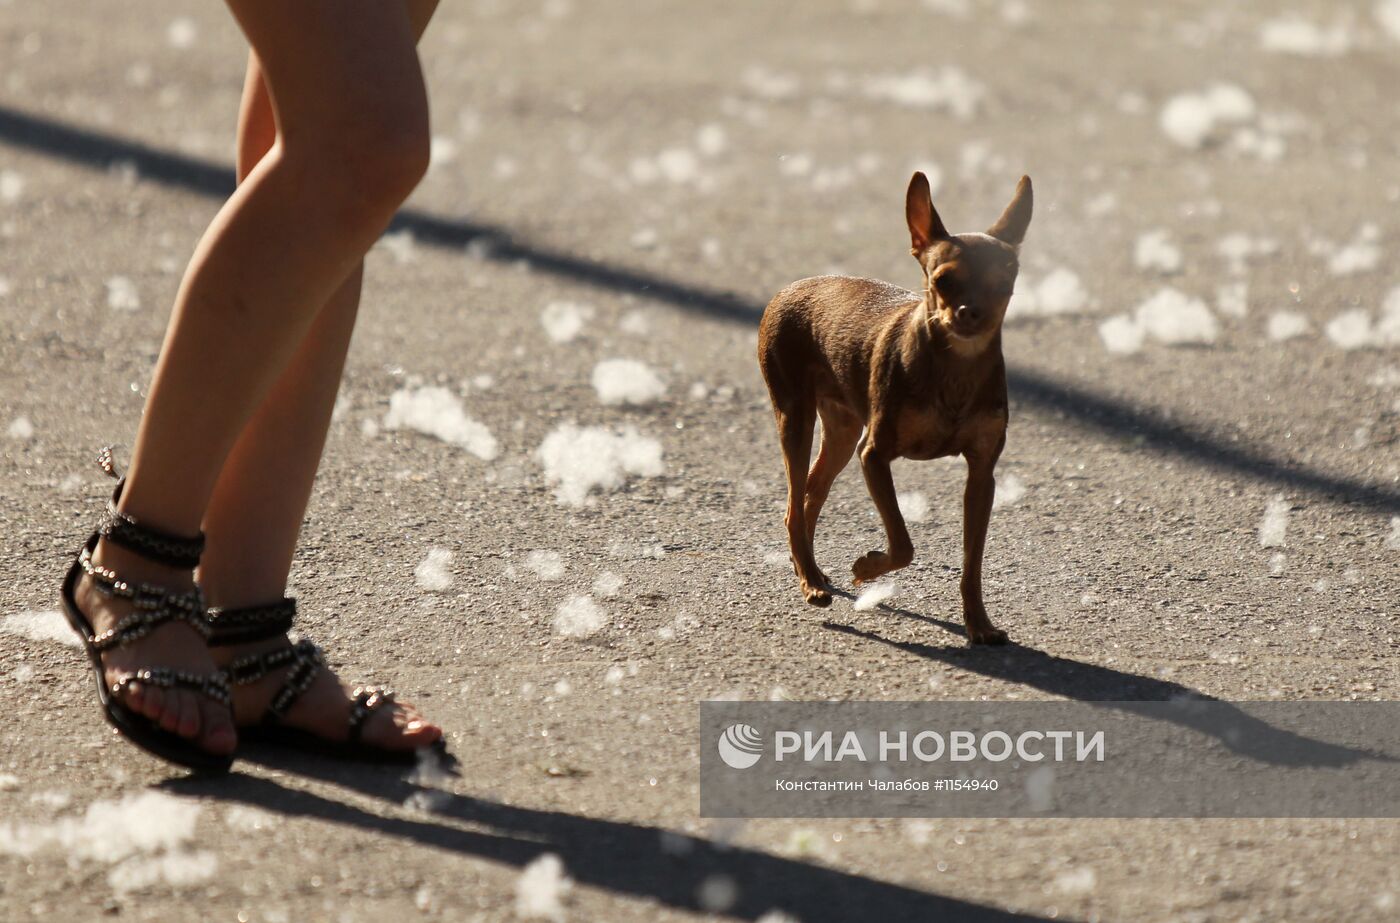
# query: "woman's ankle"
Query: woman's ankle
222,595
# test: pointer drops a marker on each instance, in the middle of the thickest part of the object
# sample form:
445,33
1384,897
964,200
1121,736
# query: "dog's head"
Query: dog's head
968,278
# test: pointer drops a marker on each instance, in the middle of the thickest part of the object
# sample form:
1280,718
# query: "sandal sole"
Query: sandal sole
306,742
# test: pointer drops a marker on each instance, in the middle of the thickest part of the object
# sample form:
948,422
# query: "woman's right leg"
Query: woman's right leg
258,505
353,141
256,509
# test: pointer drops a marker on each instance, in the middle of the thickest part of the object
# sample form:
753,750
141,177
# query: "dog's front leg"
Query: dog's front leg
977,514
878,479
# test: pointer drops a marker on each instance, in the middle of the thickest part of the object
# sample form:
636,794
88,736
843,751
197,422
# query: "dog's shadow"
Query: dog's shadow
1099,685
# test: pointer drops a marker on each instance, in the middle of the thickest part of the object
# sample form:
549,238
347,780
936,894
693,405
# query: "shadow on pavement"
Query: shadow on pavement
1092,683
1115,417
630,860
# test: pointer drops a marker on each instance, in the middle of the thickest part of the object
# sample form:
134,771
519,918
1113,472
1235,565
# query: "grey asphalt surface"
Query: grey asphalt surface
1131,567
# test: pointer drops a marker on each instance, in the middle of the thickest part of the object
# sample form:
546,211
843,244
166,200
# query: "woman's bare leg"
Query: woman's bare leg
259,502
256,511
352,113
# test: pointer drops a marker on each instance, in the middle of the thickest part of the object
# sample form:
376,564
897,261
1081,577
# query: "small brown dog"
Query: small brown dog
923,375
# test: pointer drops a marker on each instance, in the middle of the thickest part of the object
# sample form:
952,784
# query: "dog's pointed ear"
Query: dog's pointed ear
1011,226
925,226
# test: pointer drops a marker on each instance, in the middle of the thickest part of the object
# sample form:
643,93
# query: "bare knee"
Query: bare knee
394,160
370,161
381,170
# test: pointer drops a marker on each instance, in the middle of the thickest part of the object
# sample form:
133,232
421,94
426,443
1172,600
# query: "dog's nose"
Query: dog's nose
967,314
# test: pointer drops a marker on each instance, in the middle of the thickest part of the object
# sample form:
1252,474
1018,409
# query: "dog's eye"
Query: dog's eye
948,287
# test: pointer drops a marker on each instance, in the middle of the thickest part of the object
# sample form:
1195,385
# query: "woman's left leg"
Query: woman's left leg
255,515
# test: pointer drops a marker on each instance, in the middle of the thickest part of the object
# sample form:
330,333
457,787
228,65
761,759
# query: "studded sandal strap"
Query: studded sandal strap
298,681
303,657
152,606
365,701
154,544
251,623
107,461
213,686
250,668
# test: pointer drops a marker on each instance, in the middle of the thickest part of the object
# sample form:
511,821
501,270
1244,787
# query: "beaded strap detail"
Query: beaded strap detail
235,626
297,682
365,701
305,660
149,542
251,623
250,668
214,687
107,462
152,606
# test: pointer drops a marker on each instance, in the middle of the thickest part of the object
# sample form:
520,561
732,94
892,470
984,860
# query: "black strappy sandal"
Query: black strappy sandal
260,623
152,606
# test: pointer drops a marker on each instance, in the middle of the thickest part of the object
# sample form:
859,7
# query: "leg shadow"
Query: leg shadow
631,860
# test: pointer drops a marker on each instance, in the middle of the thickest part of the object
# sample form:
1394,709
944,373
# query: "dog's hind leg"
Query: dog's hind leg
795,424
840,433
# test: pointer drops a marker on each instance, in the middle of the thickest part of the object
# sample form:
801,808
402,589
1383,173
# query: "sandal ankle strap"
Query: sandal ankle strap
151,543
251,623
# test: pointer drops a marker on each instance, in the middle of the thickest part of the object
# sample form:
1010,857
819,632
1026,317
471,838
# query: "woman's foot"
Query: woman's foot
173,645
324,709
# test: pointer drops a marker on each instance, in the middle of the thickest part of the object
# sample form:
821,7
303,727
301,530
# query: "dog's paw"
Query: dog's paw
988,635
816,596
869,566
